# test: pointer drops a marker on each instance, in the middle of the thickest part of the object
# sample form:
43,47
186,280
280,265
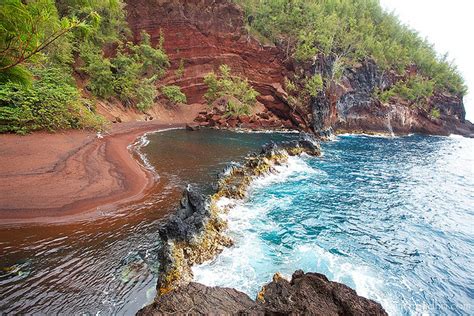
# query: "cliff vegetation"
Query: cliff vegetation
49,49
58,58
347,32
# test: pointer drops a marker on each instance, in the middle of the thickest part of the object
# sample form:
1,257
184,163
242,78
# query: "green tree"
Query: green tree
174,94
226,85
26,29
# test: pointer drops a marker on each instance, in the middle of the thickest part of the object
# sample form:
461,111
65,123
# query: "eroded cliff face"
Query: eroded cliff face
356,108
203,34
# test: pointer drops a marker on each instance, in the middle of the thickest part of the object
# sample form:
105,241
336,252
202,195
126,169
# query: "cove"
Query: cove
109,265
389,217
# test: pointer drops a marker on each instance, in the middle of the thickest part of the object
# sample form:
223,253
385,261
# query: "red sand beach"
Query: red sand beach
71,175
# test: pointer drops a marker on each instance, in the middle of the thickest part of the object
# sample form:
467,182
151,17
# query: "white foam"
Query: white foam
295,167
455,136
389,136
251,131
142,142
252,261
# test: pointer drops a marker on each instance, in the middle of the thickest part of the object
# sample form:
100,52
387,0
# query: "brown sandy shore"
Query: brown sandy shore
72,175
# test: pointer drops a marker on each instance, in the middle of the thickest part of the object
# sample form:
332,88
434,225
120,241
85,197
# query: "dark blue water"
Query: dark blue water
392,218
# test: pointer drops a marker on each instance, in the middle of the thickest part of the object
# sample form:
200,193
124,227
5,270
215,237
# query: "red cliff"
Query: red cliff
203,34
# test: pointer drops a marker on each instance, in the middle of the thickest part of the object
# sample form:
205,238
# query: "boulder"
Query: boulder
198,299
192,127
313,294
200,118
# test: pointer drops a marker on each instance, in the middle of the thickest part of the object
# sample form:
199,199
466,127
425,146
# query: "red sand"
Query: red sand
71,175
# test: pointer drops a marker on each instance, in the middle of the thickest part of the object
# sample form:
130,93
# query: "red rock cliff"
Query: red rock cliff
204,34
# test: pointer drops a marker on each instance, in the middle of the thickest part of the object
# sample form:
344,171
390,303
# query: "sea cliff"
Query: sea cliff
205,34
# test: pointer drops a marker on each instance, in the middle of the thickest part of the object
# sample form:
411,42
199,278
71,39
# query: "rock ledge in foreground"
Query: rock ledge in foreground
306,294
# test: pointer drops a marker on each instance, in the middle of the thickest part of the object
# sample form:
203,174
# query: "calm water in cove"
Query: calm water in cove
390,217
109,266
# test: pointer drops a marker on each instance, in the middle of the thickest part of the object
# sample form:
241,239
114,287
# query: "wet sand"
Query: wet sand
71,175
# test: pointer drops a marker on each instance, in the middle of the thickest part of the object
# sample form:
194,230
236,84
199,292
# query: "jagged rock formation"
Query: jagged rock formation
203,34
358,110
195,233
215,117
305,294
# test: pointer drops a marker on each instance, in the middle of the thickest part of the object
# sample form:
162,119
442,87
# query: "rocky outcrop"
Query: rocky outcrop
313,294
305,294
200,35
357,110
198,299
203,34
216,117
196,232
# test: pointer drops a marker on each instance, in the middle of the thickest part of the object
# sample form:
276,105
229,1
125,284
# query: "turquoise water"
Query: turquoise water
392,218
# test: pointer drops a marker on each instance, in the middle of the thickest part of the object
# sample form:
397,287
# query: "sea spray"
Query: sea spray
196,232
387,217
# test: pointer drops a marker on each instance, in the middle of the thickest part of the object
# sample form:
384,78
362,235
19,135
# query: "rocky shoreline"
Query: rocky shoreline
306,294
195,233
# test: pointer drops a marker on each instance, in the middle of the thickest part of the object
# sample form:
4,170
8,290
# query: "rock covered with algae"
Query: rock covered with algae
195,233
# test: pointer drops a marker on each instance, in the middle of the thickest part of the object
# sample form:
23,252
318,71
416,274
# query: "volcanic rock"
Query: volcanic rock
306,294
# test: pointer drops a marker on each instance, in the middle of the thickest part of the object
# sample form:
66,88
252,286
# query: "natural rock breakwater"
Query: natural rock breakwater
196,233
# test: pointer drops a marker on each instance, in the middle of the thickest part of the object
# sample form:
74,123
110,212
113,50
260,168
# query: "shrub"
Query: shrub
231,86
348,31
130,76
415,90
174,94
290,85
314,85
101,78
52,103
180,71
435,112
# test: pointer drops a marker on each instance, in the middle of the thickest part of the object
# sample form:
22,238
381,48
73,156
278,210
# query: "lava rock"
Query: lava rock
188,220
192,127
306,294
313,294
198,299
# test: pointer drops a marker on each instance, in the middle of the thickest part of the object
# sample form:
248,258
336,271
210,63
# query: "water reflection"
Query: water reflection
109,265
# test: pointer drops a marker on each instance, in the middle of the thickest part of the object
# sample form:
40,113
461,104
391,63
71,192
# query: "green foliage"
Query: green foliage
130,76
235,109
52,102
314,85
348,31
174,94
180,71
228,85
435,112
28,29
415,90
154,60
290,85
146,93
99,70
109,24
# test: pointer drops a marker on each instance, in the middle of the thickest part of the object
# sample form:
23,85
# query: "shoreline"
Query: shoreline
73,175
